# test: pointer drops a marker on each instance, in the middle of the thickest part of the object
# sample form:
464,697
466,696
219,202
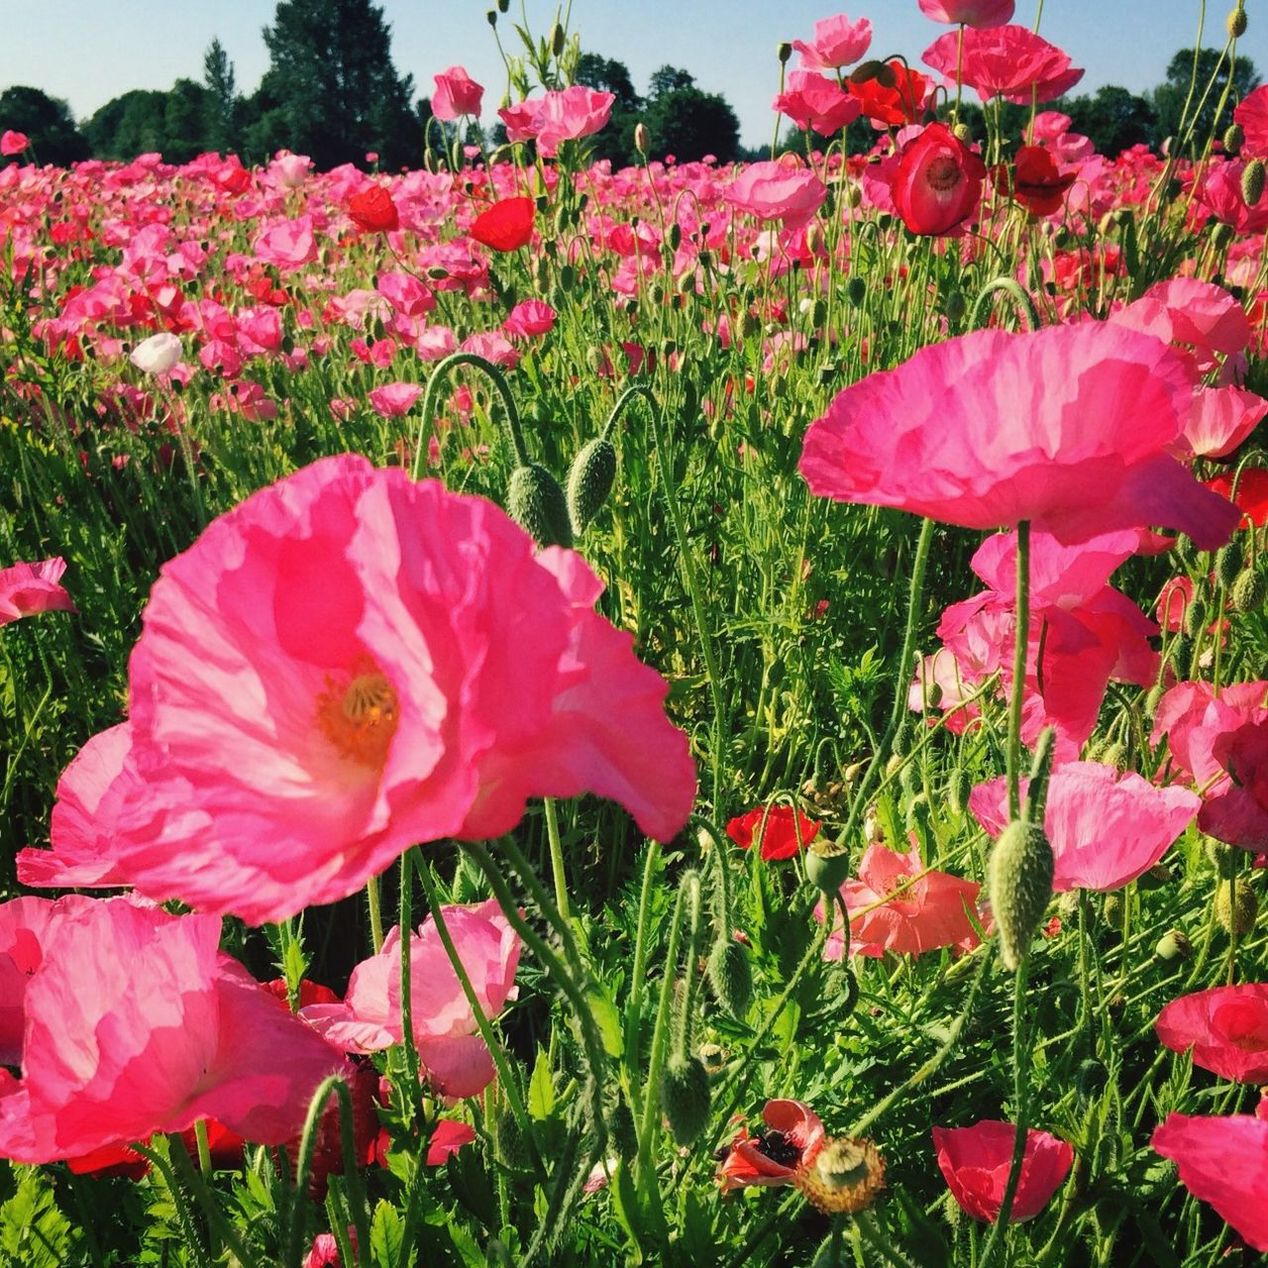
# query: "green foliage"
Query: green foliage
47,121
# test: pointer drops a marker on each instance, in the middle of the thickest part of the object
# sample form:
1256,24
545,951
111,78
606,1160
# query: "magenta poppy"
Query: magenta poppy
27,589
1225,1028
975,1161
937,184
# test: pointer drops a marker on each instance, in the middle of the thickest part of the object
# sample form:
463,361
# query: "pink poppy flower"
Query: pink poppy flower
393,400
779,831
135,1024
90,792
1220,419
288,245
1198,317
1236,811
969,12
815,102
1106,828
453,1056
12,143
456,95
1223,1161
29,588
1252,113
838,42
773,1157
520,120
446,1139
1003,61
899,905
1220,192
569,115
778,191
1192,716
1226,1028
975,1161
1173,602
937,183
992,428
349,663
529,318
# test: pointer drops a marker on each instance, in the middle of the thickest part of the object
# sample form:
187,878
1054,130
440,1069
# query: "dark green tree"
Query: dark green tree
185,122
222,108
1212,75
1114,118
667,79
332,78
47,121
131,124
689,124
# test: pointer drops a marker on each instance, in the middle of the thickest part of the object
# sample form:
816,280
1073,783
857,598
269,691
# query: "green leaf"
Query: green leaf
541,1089
603,1010
387,1235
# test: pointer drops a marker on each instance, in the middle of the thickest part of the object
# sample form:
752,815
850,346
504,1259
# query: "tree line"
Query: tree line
331,91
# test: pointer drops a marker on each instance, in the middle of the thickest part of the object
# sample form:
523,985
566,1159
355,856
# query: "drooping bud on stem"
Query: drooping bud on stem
590,481
537,504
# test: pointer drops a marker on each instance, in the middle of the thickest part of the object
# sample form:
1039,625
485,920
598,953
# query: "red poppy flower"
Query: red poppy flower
976,1161
773,1157
938,181
895,96
1226,1027
373,210
1034,180
507,225
1252,493
778,830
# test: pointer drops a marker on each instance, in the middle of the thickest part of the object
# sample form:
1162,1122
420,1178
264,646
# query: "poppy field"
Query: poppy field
687,714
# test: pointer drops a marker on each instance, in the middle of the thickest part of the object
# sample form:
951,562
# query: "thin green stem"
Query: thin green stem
1021,643
557,858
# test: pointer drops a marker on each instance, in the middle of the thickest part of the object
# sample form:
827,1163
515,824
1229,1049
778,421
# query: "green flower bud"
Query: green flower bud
1112,910
622,1132
730,976
1228,563
1019,882
1236,906
1173,945
783,50
1253,181
590,481
1234,139
856,291
827,865
492,16
537,504
1226,859
1221,235
955,306
684,1091
1250,589
556,39
963,133
1236,22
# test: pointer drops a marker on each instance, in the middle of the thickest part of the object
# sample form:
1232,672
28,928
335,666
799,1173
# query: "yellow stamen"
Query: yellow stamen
359,715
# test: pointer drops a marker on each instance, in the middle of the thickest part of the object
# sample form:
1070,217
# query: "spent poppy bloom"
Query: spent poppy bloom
507,225
969,12
778,191
772,1157
456,95
897,904
136,1023
373,210
1225,1028
29,588
837,42
1106,827
975,1161
1003,61
1034,180
158,354
454,1058
778,830
937,183
1222,1161
349,663
992,428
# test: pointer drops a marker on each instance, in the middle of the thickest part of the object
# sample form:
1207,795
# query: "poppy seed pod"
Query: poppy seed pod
684,1089
1019,880
1173,945
1236,906
1253,181
1250,588
590,481
1234,138
642,139
537,504
827,865
846,1176
783,51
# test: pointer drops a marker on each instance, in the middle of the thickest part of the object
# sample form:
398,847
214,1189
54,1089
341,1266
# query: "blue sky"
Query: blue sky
88,51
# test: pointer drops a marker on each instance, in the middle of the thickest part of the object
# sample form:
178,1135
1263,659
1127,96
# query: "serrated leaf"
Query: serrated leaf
541,1089
387,1235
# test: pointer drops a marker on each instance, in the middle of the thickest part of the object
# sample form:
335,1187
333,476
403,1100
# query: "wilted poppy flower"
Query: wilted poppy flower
992,428
969,12
349,663
28,588
1226,1028
136,1024
1034,180
779,831
506,226
1003,61
778,191
1223,1161
838,42
454,1058
772,1157
373,210
456,94
897,904
938,181
975,1161
1106,828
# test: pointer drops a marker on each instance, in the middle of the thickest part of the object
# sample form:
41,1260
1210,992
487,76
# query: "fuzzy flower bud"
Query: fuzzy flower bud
1019,881
1253,181
684,1090
537,504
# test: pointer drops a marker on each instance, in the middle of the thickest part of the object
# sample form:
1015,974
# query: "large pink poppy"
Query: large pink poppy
349,663
1003,61
993,428
1226,1028
26,589
975,1161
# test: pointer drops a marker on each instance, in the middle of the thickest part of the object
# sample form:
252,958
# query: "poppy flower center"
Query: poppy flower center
359,716
943,174
778,1148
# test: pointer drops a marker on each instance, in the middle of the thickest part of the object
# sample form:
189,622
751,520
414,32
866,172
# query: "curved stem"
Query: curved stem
496,377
